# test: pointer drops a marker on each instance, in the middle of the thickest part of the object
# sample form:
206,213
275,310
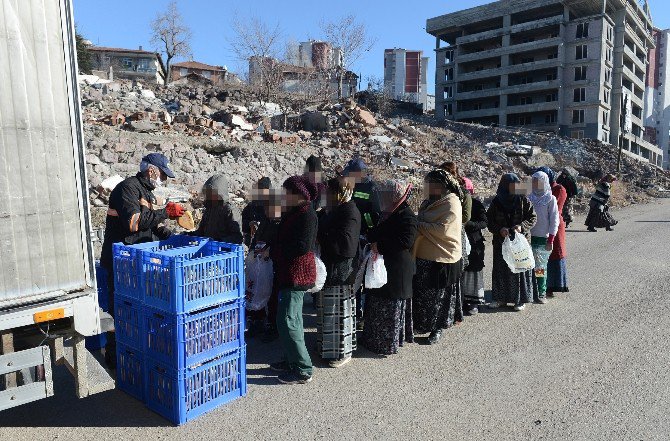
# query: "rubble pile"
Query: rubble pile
204,129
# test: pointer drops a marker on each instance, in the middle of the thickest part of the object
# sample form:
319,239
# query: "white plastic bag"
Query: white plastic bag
321,275
375,273
260,277
468,246
518,254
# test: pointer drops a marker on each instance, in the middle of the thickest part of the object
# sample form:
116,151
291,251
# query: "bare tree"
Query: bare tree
380,98
353,40
171,35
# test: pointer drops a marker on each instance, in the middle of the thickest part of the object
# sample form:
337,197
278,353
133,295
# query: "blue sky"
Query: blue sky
125,23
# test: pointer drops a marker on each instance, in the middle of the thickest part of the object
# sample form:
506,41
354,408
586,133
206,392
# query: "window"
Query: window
580,95
606,117
449,74
610,33
550,98
582,30
448,56
550,118
183,72
608,75
578,116
609,54
524,100
525,120
207,74
581,52
577,134
552,56
126,63
606,97
527,60
551,76
448,92
450,109
580,73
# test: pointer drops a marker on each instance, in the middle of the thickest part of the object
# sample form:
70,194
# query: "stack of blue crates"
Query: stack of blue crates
179,318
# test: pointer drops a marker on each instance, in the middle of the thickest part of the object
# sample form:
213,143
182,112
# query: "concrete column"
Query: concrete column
561,76
617,74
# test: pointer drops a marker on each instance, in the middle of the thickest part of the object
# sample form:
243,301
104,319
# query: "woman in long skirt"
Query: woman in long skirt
388,317
510,213
544,231
557,271
438,253
472,280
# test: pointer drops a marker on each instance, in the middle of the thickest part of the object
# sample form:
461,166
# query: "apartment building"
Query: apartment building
574,67
406,75
657,95
130,64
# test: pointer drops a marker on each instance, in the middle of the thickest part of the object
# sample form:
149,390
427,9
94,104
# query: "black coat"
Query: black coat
395,238
339,231
253,212
131,217
362,197
473,228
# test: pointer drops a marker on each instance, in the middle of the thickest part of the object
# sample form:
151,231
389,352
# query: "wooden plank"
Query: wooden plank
7,347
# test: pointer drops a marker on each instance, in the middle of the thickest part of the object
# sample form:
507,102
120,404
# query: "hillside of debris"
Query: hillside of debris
204,130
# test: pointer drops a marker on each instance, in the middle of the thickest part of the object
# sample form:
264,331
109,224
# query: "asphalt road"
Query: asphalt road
590,365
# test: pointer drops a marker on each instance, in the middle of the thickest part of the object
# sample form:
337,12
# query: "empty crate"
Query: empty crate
130,371
128,321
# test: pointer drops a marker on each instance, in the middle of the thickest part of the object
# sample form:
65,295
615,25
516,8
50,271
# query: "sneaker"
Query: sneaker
339,363
294,378
280,366
541,300
520,307
609,229
495,305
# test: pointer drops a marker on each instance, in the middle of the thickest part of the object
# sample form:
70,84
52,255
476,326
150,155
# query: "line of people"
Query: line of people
434,259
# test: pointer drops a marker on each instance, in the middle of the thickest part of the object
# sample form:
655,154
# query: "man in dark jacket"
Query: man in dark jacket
132,218
254,213
295,270
221,220
356,173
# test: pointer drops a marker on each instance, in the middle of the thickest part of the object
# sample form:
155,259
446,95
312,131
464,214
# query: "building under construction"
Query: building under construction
574,67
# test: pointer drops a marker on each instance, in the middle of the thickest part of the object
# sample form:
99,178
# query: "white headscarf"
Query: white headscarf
541,197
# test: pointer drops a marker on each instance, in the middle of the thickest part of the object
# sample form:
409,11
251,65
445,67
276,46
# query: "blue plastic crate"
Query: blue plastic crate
187,279
128,322
181,395
128,262
97,342
183,340
130,371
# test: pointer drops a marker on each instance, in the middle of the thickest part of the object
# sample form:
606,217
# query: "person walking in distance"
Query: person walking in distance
599,215
133,217
510,213
295,268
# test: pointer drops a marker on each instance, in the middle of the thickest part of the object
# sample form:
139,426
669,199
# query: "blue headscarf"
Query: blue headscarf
507,199
549,172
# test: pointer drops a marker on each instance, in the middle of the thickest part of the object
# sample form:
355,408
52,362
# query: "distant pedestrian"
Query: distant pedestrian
295,267
599,215
544,231
510,213
221,220
314,173
557,270
388,316
438,252
472,280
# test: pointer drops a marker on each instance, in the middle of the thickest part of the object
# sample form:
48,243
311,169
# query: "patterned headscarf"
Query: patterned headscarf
549,172
541,196
302,186
448,181
389,195
342,189
507,199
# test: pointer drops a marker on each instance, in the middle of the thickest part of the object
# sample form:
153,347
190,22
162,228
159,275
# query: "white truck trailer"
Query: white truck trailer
48,300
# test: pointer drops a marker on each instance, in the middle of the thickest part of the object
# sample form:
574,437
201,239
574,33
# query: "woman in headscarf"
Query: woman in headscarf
557,271
339,232
221,220
599,215
544,231
388,317
510,213
472,280
295,273
438,252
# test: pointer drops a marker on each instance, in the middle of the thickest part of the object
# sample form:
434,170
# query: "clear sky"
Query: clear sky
394,23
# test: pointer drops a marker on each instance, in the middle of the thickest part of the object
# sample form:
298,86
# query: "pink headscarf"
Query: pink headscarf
469,186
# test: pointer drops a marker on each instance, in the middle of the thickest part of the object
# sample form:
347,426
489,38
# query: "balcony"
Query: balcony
631,54
533,108
493,111
558,19
530,46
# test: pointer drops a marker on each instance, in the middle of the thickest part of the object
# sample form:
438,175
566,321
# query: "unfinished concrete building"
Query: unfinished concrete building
574,67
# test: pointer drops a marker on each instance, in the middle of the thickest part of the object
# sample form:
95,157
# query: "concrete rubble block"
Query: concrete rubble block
92,160
315,121
282,137
109,184
97,143
147,94
238,121
109,156
111,88
382,139
145,126
405,143
365,117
